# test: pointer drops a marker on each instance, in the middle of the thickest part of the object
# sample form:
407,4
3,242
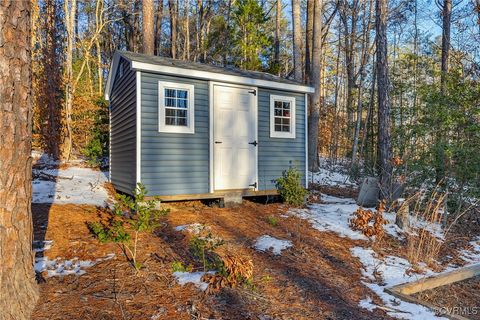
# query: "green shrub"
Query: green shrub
272,220
290,189
129,217
178,266
203,248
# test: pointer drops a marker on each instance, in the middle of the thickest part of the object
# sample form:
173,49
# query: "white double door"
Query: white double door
234,134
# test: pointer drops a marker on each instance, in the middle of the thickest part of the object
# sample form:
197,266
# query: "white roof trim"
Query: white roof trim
111,75
205,75
213,76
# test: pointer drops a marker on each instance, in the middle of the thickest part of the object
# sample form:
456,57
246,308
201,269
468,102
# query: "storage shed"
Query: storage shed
188,130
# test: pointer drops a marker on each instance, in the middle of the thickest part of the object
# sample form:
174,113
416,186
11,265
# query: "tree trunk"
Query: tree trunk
309,38
384,140
278,21
158,28
187,30
50,82
18,293
70,9
297,40
315,78
147,27
446,22
362,72
173,28
136,25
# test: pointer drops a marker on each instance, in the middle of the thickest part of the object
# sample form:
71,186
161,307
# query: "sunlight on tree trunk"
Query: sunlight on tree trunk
18,294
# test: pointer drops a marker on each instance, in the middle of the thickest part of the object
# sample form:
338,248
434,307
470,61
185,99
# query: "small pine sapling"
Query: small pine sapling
290,189
129,218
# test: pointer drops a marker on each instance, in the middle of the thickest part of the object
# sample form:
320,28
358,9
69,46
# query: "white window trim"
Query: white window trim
162,127
276,134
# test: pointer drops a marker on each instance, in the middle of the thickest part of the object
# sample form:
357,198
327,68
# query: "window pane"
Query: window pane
170,93
286,105
182,113
286,113
182,94
278,112
170,121
182,103
169,102
278,127
278,104
182,121
278,120
286,128
286,121
170,112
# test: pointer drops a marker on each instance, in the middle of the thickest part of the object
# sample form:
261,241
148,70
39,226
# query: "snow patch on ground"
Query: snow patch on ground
192,277
267,243
383,273
59,267
472,256
40,246
333,215
73,185
195,228
331,176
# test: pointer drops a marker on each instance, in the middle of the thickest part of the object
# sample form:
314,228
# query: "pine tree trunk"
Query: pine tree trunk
173,28
309,39
70,9
18,293
315,77
147,27
446,22
278,21
158,28
297,40
384,142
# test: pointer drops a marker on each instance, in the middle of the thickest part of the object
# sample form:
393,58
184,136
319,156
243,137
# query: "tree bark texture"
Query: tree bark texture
173,28
67,143
315,78
297,40
18,293
383,98
446,23
147,27
278,22
158,28
309,39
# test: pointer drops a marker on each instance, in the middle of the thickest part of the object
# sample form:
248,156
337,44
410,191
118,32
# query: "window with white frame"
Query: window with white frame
176,107
282,117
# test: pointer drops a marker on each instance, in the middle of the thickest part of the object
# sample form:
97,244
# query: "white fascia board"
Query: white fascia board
213,76
111,75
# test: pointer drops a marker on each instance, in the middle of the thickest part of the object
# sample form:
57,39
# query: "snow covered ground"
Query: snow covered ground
192,277
75,184
379,273
59,266
266,243
331,175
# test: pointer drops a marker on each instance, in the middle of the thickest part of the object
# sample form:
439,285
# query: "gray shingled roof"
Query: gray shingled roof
204,67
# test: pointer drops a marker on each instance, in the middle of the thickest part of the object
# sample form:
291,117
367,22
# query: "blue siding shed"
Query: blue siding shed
190,131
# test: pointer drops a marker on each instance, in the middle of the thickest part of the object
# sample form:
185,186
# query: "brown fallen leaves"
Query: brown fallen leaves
368,222
237,270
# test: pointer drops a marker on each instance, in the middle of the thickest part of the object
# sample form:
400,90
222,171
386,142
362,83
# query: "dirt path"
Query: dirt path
316,279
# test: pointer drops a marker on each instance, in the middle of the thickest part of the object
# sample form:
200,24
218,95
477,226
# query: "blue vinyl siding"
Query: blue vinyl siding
277,154
174,163
123,129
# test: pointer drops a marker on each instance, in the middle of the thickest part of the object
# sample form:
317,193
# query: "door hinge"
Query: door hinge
254,185
254,143
254,92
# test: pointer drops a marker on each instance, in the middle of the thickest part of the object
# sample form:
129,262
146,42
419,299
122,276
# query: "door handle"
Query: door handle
218,142
254,143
